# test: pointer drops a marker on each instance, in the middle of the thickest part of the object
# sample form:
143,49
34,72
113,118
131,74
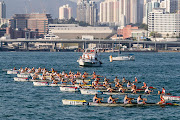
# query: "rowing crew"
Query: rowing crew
127,100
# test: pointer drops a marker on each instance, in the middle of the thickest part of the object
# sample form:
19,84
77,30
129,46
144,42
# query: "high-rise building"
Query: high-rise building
149,6
65,12
121,12
2,10
164,23
87,11
33,22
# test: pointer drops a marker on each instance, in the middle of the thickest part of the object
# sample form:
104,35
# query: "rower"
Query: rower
96,99
111,99
163,91
124,80
141,100
14,68
127,100
128,84
121,90
135,80
116,79
147,91
144,85
109,89
162,101
106,80
133,88
83,82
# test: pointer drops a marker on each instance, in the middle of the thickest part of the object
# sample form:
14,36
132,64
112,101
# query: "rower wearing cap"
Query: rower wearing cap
141,100
135,80
96,99
162,101
133,88
111,99
163,91
144,85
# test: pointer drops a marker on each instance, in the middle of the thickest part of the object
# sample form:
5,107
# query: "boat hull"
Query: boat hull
169,98
69,89
89,63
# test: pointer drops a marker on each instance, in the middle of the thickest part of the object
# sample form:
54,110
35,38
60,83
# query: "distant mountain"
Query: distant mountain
37,6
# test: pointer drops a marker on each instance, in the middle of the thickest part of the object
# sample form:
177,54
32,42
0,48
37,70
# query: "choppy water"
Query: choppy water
21,100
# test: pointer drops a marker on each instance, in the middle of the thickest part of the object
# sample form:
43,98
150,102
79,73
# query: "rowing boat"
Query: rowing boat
90,91
47,84
69,89
168,97
104,91
23,75
12,71
84,102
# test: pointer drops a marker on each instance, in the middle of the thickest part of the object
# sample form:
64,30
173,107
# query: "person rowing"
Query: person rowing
147,91
112,100
124,80
133,88
106,80
128,100
163,91
96,99
144,85
109,89
128,84
121,90
116,79
83,82
141,100
162,101
135,80
14,68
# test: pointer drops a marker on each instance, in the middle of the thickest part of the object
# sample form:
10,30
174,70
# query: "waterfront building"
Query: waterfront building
2,10
33,22
65,12
87,11
167,24
74,31
126,31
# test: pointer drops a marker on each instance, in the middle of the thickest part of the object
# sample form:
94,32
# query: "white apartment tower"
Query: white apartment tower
87,11
164,23
65,12
121,11
2,10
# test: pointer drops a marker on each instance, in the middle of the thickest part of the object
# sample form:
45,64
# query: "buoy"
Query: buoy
110,58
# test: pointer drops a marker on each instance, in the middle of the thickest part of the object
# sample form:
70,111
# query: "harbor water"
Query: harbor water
21,100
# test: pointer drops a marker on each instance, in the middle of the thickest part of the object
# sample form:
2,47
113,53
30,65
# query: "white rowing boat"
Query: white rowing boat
23,75
12,71
84,102
73,102
69,89
168,97
48,84
90,91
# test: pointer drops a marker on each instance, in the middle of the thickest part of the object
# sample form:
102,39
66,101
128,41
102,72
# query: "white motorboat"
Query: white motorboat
120,57
90,58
